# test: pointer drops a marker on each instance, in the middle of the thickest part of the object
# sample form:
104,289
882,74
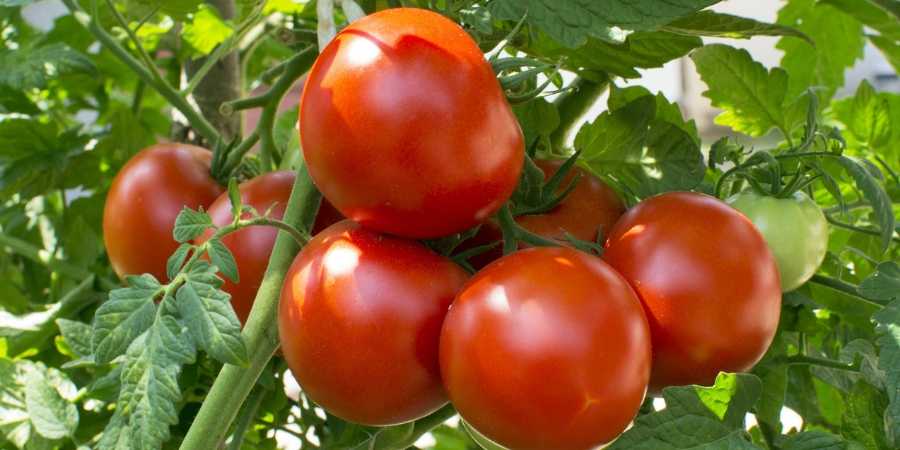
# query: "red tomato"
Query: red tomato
708,283
360,320
405,128
144,200
252,246
591,208
546,348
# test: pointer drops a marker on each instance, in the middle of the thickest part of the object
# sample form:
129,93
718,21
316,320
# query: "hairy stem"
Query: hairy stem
234,383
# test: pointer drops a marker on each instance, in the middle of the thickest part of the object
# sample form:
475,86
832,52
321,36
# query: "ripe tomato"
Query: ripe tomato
794,228
252,246
144,200
590,208
360,320
546,348
707,281
405,128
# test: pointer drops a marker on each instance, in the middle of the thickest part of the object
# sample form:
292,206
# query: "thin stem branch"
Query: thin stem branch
197,121
142,53
844,287
822,362
234,382
296,67
245,419
855,228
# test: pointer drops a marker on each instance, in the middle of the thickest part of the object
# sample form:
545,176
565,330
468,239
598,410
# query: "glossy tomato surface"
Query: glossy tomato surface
405,128
708,283
144,200
795,229
360,319
591,208
252,246
546,348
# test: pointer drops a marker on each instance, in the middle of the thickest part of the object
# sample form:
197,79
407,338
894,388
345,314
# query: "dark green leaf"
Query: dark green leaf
212,322
640,153
125,316
538,118
32,67
223,259
571,22
53,415
711,23
812,440
875,195
176,260
888,321
77,336
863,419
697,417
190,224
14,101
884,284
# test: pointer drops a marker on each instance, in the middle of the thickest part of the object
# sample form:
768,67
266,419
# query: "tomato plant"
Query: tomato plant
380,117
359,320
513,328
795,230
143,201
126,275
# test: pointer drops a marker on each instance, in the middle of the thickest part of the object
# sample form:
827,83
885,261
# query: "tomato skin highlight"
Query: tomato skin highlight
795,229
252,246
708,283
592,207
360,319
145,198
405,128
546,348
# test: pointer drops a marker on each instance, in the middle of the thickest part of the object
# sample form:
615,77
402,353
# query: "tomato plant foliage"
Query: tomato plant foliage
89,360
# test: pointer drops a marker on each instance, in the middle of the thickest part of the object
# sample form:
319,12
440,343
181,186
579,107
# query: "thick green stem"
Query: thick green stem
197,121
234,383
573,105
71,304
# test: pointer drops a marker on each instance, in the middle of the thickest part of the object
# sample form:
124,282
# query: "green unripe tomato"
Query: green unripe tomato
794,228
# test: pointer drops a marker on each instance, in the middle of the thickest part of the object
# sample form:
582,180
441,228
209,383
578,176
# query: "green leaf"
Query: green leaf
206,31
711,23
812,440
697,417
890,48
223,259
640,153
48,400
839,43
16,425
752,97
176,260
571,22
77,336
869,14
643,49
125,316
888,321
150,390
884,284
32,67
212,323
15,101
12,3
875,194
863,419
178,9
665,110
538,119
190,224
867,116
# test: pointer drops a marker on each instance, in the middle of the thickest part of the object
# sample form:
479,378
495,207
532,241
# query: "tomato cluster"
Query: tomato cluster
407,133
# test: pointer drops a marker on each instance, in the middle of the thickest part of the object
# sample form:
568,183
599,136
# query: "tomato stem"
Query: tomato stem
822,362
513,233
234,383
297,66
